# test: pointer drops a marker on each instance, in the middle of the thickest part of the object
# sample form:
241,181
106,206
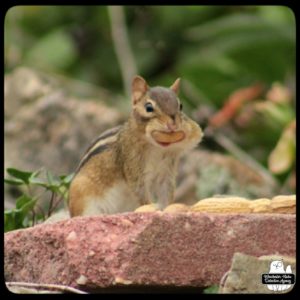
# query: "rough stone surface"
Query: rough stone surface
49,123
140,250
246,272
59,125
200,170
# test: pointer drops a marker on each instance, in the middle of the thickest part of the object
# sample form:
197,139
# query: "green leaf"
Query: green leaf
53,184
23,205
283,156
51,179
23,200
22,175
26,222
29,205
35,174
39,182
13,181
14,219
66,179
10,221
281,113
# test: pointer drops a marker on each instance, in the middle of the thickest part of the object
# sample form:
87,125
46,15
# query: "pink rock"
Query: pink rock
143,249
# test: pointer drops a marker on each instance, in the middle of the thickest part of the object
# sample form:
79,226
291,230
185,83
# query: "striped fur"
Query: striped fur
100,144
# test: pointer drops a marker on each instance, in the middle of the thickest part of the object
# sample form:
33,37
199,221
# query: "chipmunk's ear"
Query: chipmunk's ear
175,86
139,87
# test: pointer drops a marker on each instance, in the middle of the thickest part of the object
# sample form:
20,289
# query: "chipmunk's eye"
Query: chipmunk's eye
180,106
149,107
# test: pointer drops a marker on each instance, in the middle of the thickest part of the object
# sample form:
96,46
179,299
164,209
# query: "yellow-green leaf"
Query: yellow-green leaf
282,157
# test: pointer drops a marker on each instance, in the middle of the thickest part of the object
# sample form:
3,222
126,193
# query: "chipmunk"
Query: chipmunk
136,163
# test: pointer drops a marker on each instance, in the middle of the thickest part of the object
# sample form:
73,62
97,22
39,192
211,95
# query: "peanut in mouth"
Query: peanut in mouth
166,138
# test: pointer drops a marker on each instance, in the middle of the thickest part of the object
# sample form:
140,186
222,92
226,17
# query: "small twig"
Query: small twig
29,190
56,204
122,45
56,287
51,204
223,279
33,217
41,210
55,201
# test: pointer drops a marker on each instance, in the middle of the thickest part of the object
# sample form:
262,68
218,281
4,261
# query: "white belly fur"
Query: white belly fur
116,200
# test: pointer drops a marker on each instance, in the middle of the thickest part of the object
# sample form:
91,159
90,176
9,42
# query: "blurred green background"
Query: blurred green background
216,50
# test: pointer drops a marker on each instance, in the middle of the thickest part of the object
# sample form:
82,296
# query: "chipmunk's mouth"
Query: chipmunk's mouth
167,138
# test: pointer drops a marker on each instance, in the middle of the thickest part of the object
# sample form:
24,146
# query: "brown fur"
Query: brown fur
126,168
166,99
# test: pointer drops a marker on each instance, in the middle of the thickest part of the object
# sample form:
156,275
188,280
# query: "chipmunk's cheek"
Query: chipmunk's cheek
193,131
167,138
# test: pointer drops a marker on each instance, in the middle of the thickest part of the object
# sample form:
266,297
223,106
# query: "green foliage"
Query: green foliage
55,50
217,48
27,211
18,217
283,156
236,50
213,289
20,177
271,116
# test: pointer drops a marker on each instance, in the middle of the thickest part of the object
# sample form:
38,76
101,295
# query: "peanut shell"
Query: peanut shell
223,205
262,205
167,137
176,207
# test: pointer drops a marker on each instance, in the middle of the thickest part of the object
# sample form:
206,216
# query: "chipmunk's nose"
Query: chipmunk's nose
172,126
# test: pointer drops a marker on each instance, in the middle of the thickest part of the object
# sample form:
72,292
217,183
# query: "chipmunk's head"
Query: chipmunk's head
159,111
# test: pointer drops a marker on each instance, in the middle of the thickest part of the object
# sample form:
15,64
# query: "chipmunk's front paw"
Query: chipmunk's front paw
148,208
